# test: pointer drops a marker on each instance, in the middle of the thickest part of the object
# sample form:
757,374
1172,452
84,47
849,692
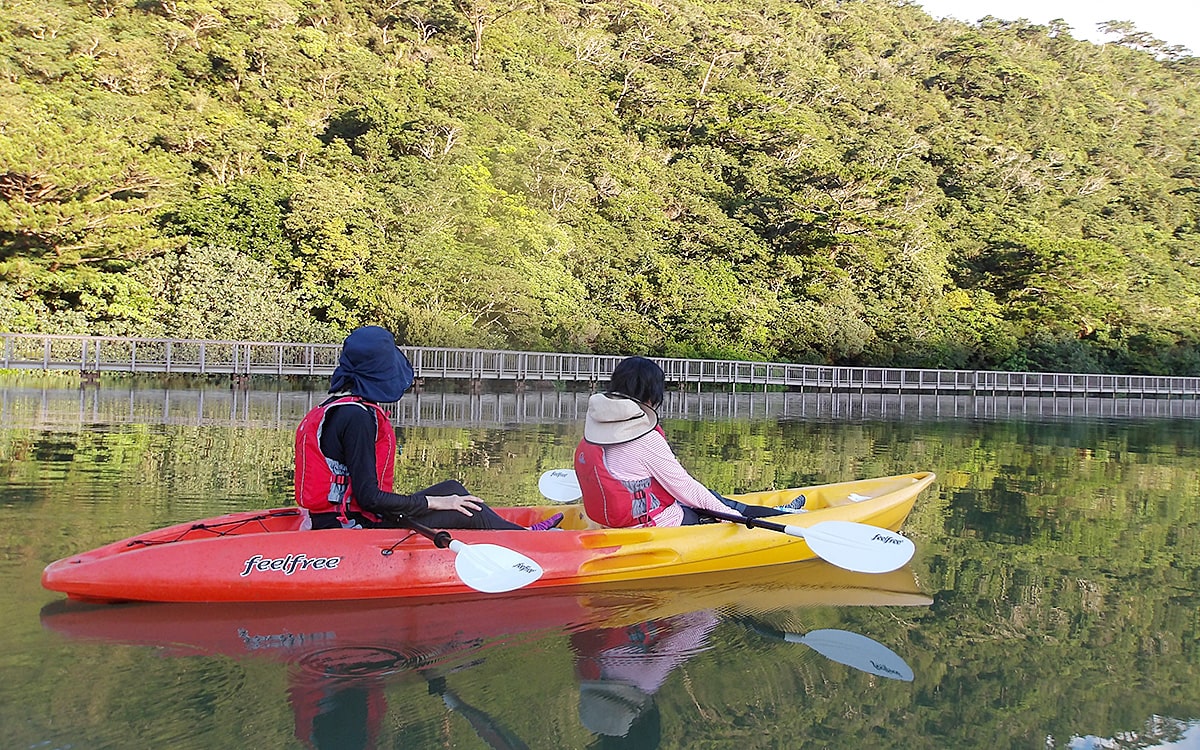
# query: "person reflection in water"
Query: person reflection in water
338,701
337,712
621,669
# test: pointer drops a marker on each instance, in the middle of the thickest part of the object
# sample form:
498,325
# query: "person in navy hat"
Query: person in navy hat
346,451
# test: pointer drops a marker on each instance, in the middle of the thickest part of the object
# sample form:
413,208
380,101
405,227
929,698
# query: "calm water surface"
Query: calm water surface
1052,601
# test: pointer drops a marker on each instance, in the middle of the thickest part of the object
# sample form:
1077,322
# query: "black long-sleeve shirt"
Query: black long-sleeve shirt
348,436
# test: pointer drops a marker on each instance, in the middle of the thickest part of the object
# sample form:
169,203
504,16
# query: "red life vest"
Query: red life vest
323,706
322,484
611,501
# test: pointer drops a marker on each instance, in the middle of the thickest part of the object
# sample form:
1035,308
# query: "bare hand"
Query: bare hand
465,504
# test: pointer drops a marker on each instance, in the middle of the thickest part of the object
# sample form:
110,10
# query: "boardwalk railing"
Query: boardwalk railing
59,407
95,354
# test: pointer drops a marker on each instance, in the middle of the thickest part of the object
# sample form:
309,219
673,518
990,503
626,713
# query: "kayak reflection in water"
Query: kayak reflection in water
621,669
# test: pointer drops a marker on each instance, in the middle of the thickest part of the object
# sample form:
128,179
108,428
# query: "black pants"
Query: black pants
484,518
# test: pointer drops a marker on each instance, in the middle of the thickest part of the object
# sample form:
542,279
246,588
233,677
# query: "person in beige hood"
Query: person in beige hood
627,471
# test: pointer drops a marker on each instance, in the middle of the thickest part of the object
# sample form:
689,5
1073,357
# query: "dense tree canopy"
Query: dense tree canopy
834,182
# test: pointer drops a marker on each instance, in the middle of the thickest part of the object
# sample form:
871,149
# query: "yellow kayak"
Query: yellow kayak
883,502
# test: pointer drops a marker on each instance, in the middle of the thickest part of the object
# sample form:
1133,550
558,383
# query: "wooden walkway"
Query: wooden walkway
74,408
92,355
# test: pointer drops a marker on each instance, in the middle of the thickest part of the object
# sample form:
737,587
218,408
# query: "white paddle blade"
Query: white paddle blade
856,546
493,569
560,485
857,651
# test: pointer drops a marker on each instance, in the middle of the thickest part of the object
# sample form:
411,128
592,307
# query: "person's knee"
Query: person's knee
448,487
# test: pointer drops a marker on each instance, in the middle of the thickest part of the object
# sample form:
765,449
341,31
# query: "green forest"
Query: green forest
821,181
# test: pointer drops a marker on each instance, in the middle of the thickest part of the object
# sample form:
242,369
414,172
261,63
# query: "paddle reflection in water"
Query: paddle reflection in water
344,657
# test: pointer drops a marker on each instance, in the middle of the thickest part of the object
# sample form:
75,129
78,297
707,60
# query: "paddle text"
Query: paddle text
886,670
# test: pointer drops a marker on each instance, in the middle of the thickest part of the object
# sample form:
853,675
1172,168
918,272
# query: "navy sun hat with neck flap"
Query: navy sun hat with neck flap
371,366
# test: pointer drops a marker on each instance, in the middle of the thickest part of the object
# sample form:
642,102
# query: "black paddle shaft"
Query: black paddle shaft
440,537
749,522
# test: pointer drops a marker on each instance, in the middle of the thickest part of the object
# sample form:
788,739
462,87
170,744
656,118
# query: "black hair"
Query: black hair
641,379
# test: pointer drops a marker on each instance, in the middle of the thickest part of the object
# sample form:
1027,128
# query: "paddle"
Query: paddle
560,485
852,649
489,568
853,546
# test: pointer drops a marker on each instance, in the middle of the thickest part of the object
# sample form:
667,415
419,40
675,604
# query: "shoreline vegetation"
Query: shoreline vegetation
835,183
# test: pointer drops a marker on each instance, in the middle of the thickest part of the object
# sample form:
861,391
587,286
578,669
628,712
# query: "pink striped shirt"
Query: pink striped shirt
650,456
